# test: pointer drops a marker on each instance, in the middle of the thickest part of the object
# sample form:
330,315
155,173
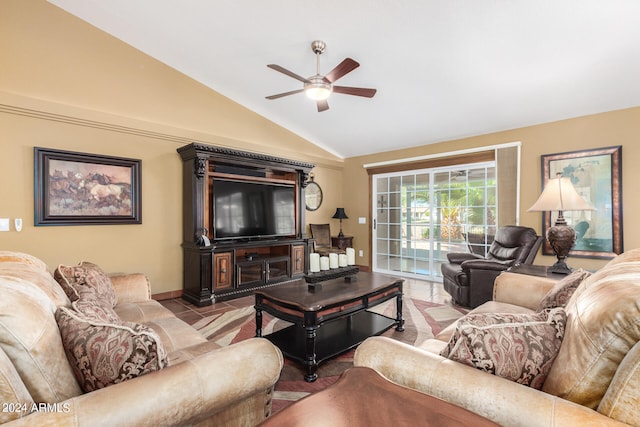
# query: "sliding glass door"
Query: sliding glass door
421,215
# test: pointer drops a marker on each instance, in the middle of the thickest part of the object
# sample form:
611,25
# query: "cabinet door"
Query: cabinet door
297,260
277,269
223,270
250,273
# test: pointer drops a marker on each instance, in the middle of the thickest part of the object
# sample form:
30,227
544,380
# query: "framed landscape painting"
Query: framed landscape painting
596,176
86,189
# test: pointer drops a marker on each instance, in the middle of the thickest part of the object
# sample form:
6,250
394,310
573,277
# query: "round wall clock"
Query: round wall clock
312,196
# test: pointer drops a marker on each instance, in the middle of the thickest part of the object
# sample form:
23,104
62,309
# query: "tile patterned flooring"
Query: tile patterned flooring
413,288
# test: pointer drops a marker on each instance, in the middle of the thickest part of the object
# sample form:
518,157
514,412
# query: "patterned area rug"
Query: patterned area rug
423,320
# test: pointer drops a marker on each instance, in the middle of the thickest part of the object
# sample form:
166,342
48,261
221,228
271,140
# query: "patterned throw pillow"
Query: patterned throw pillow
559,295
86,281
518,347
102,354
91,310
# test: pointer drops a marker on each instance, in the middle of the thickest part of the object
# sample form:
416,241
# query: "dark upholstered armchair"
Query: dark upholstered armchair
468,277
321,233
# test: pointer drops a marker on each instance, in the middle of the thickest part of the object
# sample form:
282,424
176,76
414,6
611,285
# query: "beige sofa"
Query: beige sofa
201,385
594,380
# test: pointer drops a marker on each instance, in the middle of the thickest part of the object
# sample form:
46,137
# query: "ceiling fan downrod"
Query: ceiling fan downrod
318,88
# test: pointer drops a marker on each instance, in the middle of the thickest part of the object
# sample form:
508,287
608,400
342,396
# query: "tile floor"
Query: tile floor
413,288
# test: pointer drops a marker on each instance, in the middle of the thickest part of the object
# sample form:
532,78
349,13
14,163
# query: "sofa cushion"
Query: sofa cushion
10,256
86,277
142,311
30,338
559,295
14,396
39,277
174,333
103,354
603,324
518,347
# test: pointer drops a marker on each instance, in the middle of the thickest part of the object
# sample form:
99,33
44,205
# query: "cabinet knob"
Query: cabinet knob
223,270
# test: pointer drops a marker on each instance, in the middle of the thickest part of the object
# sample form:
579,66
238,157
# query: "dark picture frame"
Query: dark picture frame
72,188
597,176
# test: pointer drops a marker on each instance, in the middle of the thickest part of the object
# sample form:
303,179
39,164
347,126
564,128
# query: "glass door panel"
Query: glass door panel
420,216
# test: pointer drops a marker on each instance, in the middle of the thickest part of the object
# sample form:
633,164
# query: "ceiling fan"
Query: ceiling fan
319,87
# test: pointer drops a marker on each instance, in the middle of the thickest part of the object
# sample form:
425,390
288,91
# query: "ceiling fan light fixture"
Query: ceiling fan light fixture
317,89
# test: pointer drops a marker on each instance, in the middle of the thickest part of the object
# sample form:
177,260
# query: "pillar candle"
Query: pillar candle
333,260
351,256
342,260
324,263
314,263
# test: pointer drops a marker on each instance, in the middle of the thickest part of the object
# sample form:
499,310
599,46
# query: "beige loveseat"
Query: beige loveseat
594,380
202,383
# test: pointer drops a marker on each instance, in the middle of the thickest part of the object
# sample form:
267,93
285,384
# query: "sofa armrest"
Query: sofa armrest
521,289
502,401
230,386
131,287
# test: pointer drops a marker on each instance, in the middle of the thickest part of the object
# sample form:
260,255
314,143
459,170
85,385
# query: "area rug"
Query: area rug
423,320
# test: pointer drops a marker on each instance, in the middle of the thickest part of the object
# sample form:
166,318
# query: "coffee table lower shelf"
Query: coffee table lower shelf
332,338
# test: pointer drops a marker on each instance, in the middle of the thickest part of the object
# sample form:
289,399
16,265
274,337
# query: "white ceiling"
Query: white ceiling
444,69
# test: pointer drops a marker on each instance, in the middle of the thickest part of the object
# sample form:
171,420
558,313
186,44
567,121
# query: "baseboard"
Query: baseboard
167,295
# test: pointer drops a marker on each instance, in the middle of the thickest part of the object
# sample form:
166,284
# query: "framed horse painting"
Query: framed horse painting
86,189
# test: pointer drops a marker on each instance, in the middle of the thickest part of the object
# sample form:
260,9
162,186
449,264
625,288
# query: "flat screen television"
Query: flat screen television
252,210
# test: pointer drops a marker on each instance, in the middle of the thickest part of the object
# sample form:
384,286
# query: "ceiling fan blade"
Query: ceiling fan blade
357,91
287,72
323,105
280,95
343,68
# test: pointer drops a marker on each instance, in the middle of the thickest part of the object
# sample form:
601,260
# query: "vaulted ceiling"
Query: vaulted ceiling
442,69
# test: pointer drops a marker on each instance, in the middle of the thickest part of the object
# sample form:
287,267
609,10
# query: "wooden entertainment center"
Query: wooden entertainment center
224,268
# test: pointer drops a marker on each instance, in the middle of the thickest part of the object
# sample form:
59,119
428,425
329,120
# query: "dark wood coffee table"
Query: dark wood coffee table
329,318
362,397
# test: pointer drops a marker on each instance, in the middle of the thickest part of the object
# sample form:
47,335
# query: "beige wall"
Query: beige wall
601,130
69,86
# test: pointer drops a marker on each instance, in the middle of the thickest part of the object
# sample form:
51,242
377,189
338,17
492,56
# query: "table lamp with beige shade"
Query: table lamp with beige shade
560,195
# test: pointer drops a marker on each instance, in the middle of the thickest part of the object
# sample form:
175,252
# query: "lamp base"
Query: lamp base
561,237
560,267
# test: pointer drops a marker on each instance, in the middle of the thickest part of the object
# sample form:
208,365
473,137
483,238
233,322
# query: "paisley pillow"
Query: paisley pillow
102,354
518,347
86,281
559,295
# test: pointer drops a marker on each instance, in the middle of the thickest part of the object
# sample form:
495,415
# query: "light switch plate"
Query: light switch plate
362,220
4,224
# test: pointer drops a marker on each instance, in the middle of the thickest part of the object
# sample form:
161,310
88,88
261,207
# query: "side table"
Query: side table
536,270
342,242
362,397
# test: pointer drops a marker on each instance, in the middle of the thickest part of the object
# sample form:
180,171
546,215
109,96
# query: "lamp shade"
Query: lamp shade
340,214
560,195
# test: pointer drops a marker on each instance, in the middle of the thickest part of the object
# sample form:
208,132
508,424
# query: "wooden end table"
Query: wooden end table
536,270
328,318
362,397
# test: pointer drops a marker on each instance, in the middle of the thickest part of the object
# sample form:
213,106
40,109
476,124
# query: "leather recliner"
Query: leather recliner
469,278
